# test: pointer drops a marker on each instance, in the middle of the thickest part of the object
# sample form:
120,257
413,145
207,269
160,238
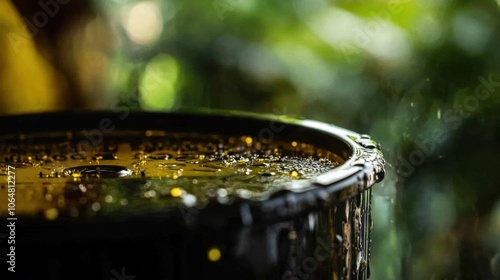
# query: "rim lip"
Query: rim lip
349,173
340,172
343,135
347,169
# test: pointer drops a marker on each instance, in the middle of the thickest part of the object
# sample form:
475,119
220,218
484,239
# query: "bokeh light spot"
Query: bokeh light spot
158,83
176,192
143,22
214,255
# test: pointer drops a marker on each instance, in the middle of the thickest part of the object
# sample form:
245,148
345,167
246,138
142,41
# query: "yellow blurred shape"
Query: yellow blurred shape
214,255
27,81
51,214
176,192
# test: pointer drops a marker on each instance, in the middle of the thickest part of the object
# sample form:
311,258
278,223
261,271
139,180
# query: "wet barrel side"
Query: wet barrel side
330,243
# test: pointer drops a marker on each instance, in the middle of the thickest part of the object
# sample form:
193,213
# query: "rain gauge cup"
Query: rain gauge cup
103,195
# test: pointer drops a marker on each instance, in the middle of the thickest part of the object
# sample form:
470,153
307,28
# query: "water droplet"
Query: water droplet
108,198
105,156
338,238
244,193
189,200
160,155
96,206
260,162
176,192
214,254
222,192
139,156
360,262
249,141
82,188
123,201
99,170
149,194
51,214
294,174
242,161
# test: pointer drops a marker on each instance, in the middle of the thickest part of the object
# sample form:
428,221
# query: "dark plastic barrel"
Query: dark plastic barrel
97,222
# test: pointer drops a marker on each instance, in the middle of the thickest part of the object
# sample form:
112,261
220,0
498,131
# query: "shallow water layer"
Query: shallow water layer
64,175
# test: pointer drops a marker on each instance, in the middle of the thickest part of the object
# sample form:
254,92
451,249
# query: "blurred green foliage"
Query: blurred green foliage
422,77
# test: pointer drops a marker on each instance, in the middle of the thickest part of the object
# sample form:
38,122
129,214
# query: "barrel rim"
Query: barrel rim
363,167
